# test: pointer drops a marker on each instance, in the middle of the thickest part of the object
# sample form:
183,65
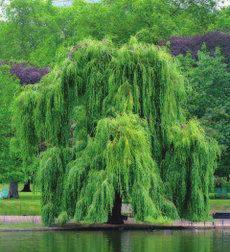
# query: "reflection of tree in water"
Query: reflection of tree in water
167,241
170,241
84,241
75,241
140,241
126,241
221,240
114,241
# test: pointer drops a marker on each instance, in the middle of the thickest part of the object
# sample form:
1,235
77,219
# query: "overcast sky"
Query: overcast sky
68,2
62,2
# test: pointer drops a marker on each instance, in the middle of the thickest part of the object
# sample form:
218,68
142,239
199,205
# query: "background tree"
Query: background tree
14,167
212,41
35,31
151,20
10,163
209,78
29,26
222,22
207,71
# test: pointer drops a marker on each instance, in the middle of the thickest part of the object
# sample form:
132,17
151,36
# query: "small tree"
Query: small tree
10,163
14,166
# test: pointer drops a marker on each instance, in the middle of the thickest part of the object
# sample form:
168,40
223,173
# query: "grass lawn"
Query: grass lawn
4,226
27,204
220,205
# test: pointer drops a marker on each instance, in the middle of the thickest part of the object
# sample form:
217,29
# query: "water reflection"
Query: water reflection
209,241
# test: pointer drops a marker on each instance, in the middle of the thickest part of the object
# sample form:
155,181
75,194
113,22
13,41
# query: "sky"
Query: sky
221,3
67,2
62,3
224,2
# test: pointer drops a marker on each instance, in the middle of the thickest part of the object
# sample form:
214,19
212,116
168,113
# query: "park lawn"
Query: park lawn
4,226
27,204
220,205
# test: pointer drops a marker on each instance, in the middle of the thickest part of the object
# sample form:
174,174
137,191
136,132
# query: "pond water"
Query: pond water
127,241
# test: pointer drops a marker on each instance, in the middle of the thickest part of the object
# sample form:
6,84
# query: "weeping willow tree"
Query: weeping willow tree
112,128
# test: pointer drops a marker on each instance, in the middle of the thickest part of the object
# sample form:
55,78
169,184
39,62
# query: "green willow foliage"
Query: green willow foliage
112,123
117,159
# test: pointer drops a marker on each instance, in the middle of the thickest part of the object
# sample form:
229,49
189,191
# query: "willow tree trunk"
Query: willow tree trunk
115,217
26,187
13,190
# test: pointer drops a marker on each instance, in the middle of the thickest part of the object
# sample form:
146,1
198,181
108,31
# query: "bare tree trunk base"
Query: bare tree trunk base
26,187
13,190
